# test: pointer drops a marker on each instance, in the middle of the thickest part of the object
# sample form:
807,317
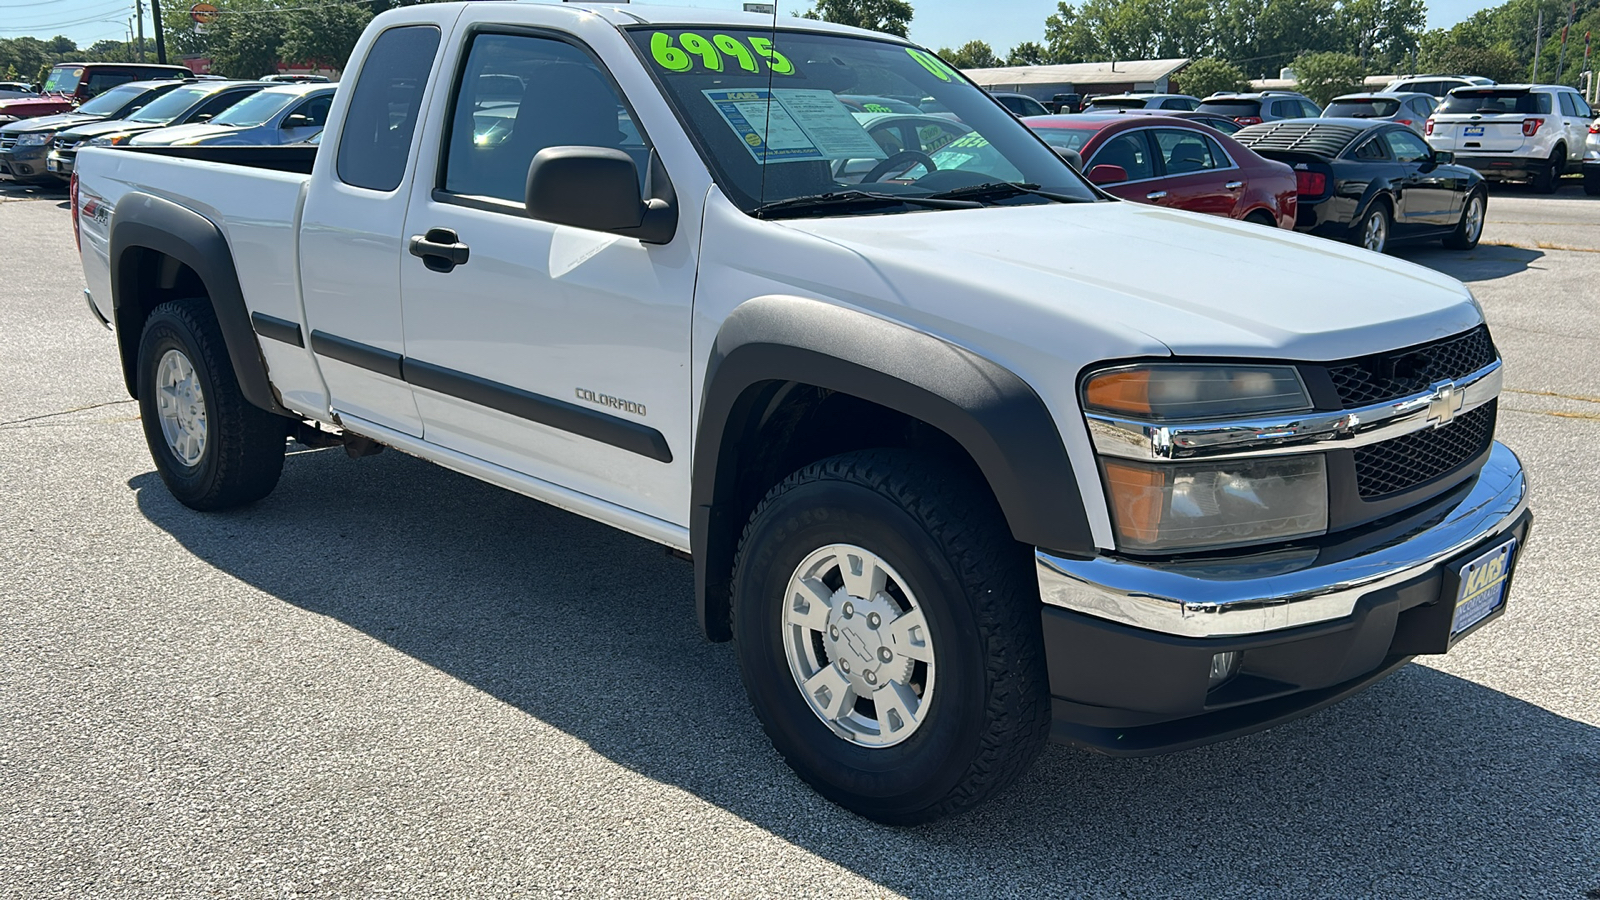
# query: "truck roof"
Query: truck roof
623,15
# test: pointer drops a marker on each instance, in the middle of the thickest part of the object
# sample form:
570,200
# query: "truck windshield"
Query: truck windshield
257,108
785,116
113,100
62,80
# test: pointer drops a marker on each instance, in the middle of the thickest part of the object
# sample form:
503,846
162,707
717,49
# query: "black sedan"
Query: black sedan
1374,183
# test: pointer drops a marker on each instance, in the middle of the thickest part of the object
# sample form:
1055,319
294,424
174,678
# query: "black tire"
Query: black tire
242,455
942,531
1467,235
1358,232
1263,218
1548,179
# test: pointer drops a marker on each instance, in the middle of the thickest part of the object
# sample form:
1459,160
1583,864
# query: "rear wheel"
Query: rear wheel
1372,232
1548,178
213,449
888,634
1263,218
1470,229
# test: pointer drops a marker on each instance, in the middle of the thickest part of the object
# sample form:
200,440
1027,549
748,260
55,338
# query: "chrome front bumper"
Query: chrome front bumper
1277,590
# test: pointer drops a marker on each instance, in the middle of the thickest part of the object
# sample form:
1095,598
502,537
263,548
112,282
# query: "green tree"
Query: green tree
1324,76
244,41
1498,62
972,55
1129,29
888,16
1262,36
1205,77
1383,31
1029,53
323,36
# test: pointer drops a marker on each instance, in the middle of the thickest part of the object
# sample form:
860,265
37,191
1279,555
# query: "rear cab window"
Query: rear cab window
375,139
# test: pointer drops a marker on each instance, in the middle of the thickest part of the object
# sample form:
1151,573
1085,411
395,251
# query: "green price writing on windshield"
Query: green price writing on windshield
933,64
716,53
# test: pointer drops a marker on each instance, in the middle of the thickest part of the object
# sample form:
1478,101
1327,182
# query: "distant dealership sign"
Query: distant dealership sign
203,13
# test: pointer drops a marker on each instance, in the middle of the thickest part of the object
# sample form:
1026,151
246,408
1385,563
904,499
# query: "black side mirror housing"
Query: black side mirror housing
1443,157
596,188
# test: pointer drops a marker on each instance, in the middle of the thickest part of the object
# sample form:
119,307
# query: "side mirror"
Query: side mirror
203,117
1073,158
1443,157
1108,174
298,120
596,188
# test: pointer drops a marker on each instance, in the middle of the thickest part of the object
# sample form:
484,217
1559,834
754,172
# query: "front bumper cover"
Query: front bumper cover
1130,645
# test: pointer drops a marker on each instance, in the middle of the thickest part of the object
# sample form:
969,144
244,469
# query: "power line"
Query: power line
31,29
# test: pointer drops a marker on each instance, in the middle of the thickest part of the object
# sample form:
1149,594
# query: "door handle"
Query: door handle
440,249
1234,185
1156,195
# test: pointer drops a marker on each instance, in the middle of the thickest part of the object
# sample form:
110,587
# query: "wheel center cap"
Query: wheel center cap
857,639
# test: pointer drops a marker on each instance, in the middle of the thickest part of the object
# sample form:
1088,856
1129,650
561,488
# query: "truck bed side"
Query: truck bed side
253,200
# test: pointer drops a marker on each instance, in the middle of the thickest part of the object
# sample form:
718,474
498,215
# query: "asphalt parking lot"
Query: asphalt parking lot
388,678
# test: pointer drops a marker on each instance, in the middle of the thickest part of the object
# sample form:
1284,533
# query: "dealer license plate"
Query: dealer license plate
1473,131
1483,587
51,164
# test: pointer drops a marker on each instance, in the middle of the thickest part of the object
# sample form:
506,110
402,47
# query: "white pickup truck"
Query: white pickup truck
967,454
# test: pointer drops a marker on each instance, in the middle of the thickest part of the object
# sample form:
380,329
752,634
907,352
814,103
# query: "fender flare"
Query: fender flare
991,412
143,221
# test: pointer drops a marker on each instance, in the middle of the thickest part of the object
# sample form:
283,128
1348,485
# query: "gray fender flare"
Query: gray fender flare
992,413
142,221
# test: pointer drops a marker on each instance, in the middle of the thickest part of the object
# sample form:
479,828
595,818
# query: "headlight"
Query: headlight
1228,503
33,139
1164,391
1179,506
109,140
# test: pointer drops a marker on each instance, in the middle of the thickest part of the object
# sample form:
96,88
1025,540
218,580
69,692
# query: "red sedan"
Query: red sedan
1176,163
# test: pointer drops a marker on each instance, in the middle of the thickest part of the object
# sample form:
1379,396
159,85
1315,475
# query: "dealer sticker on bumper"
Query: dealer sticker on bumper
1483,587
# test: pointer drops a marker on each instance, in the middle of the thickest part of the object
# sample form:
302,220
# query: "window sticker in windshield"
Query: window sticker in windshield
951,156
716,53
802,125
933,64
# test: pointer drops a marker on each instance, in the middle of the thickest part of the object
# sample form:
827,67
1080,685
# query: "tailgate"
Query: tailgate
1467,134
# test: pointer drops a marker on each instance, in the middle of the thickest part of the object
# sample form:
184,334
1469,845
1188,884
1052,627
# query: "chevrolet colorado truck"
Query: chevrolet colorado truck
960,469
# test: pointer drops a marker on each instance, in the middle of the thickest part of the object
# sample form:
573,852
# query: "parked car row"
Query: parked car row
164,113
1514,132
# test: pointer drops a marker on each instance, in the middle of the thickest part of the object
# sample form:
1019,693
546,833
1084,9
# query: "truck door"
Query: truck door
350,238
549,350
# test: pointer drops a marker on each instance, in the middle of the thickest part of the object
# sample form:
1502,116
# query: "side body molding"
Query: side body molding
991,412
148,222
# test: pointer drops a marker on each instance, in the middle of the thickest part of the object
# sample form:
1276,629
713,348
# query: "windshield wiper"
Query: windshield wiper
999,190
857,198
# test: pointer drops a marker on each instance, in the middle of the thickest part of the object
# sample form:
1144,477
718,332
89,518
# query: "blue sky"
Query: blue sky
938,23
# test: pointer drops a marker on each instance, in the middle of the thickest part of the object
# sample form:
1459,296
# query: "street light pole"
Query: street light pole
138,6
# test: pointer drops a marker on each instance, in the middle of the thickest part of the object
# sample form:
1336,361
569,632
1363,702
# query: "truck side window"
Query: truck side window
376,138
520,94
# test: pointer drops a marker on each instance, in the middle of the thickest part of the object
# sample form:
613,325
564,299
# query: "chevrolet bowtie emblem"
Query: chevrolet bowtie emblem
1445,403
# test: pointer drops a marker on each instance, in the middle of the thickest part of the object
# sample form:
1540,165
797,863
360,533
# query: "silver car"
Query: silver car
278,115
1403,108
1119,102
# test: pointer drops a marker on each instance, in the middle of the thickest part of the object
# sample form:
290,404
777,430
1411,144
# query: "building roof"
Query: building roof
1120,72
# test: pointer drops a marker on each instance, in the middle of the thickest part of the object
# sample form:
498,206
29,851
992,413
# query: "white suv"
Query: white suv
1435,85
1518,132
1591,161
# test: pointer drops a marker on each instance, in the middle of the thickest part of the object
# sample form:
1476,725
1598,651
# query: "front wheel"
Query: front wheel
212,448
1372,232
888,634
1470,229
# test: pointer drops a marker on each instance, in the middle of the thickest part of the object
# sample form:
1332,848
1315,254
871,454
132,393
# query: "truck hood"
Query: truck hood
29,107
48,123
1200,285
174,134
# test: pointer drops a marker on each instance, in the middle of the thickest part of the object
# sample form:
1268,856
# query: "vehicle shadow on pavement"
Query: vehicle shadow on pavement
1486,262
1426,785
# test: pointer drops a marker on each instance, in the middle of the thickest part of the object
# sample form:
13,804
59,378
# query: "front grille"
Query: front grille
1403,463
1390,376
63,143
6,143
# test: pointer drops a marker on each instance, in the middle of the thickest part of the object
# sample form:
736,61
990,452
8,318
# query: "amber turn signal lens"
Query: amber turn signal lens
1137,499
1126,391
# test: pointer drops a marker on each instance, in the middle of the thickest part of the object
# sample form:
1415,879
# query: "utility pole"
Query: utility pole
161,38
139,5
1561,59
1538,44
